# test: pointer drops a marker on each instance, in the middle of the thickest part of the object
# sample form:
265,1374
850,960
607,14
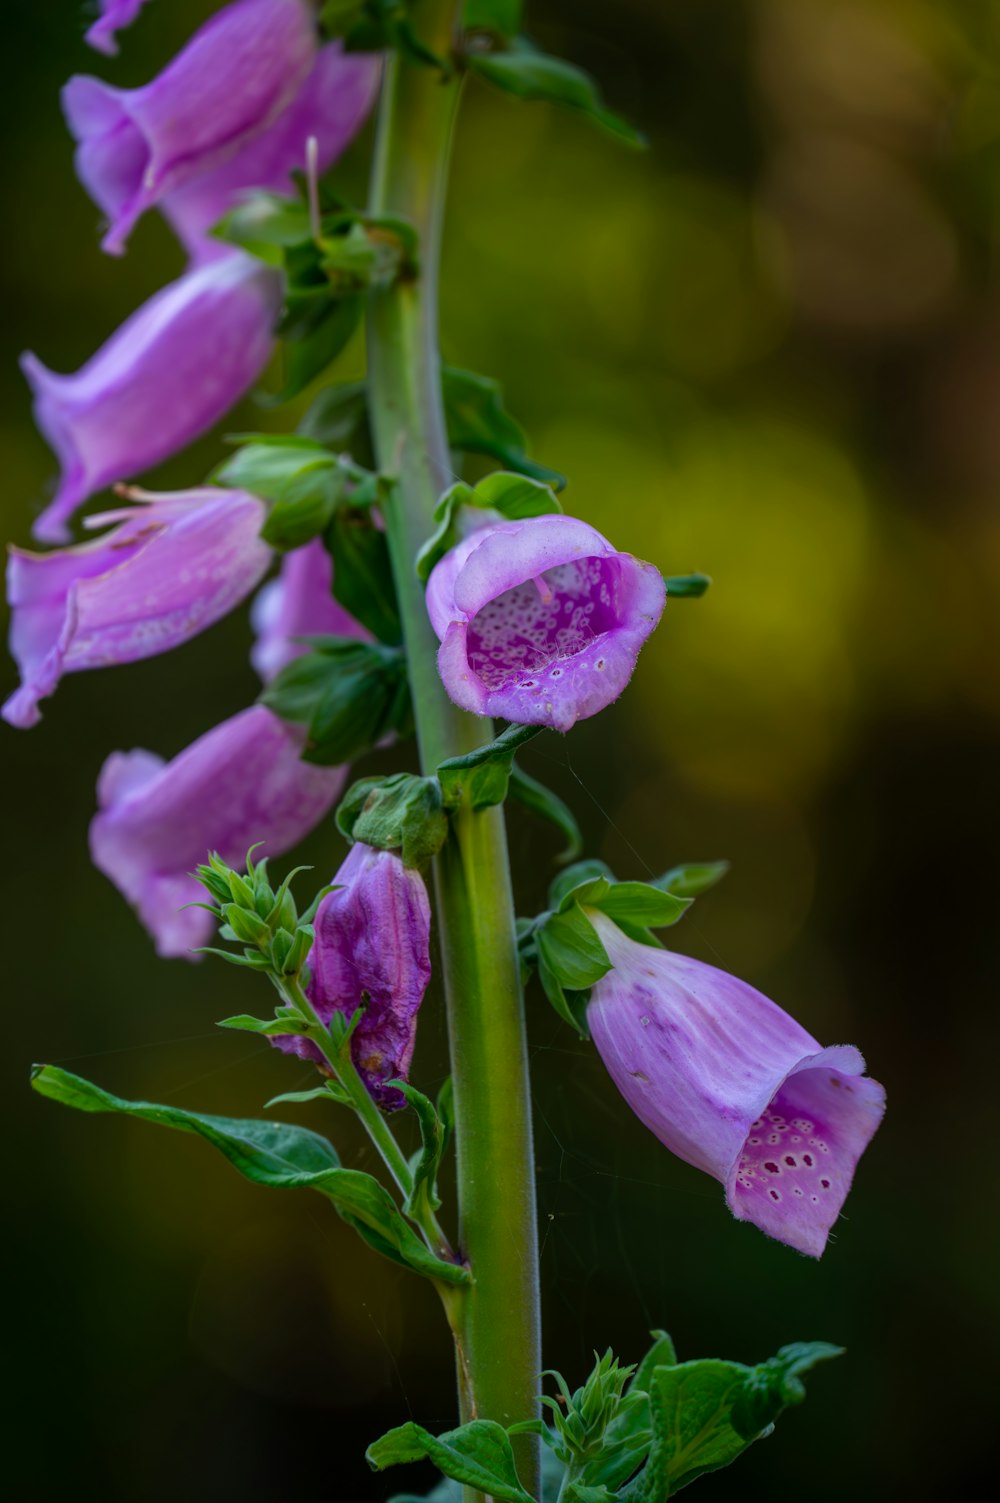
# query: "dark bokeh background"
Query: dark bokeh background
768,349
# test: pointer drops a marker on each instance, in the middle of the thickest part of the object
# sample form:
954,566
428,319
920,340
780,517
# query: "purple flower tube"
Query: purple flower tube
540,621
734,1086
299,603
165,572
331,106
115,16
174,368
234,76
241,783
372,950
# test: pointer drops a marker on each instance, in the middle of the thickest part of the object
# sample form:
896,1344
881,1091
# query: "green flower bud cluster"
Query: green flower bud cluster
276,938
581,1419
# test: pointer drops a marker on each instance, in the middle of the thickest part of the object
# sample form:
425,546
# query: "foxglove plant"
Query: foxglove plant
403,603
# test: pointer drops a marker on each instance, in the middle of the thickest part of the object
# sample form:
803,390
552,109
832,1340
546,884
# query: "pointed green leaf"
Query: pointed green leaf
569,946
274,1154
298,1098
686,586
531,74
531,794
433,1138
692,879
662,1353
479,423
481,777
478,1455
362,573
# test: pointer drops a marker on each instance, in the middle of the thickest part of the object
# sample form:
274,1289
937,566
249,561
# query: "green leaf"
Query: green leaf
706,1413
531,794
530,74
773,1385
399,813
662,1353
274,1154
687,586
301,478
479,423
350,695
570,948
570,1005
478,1455
513,497
692,879
362,573
575,876
433,1139
269,1027
641,905
265,224
480,778
299,1098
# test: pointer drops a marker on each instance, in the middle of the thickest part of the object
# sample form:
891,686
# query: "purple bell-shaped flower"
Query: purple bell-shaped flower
733,1085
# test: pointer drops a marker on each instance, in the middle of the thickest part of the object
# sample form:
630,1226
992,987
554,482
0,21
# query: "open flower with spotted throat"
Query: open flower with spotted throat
540,620
733,1085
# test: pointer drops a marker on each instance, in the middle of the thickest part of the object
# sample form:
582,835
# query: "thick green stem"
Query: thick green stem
496,1320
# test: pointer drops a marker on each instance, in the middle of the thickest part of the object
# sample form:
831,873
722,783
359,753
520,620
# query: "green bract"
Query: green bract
349,695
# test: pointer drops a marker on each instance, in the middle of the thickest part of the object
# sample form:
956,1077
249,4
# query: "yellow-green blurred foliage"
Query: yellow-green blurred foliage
767,349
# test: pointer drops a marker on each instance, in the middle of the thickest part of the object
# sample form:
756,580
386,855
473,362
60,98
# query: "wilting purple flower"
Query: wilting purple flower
241,783
331,106
540,621
173,369
234,76
372,949
115,16
734,1086
167,570
299,603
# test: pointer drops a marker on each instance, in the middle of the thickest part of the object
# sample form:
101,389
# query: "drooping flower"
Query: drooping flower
541,620
372,950
115,16
242,782
167,570
234,76
299,603
330,106
733,1085
174,368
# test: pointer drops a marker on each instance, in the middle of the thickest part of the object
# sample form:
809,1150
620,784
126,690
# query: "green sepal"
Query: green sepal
510,496
362,573
480,778
275,1154
478,1455
243,1022
533,795
316,328
399,813
349,695
338,417
693,878
433,1141
686,586
377,26
530,74
266,225
478,423
562,886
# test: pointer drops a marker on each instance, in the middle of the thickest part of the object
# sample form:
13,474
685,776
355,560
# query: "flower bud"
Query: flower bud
734,1086
540,620
371,950
173,369
168,569
242,783
234,76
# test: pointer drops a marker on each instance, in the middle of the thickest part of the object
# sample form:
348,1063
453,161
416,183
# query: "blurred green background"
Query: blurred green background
769,349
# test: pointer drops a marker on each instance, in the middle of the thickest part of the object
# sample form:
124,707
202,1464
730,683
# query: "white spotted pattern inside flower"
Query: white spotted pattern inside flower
786,1156
526,634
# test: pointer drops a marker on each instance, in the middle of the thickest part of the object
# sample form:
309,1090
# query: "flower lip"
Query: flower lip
540,620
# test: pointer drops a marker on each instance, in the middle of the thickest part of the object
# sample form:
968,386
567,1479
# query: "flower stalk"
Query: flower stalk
496,1319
